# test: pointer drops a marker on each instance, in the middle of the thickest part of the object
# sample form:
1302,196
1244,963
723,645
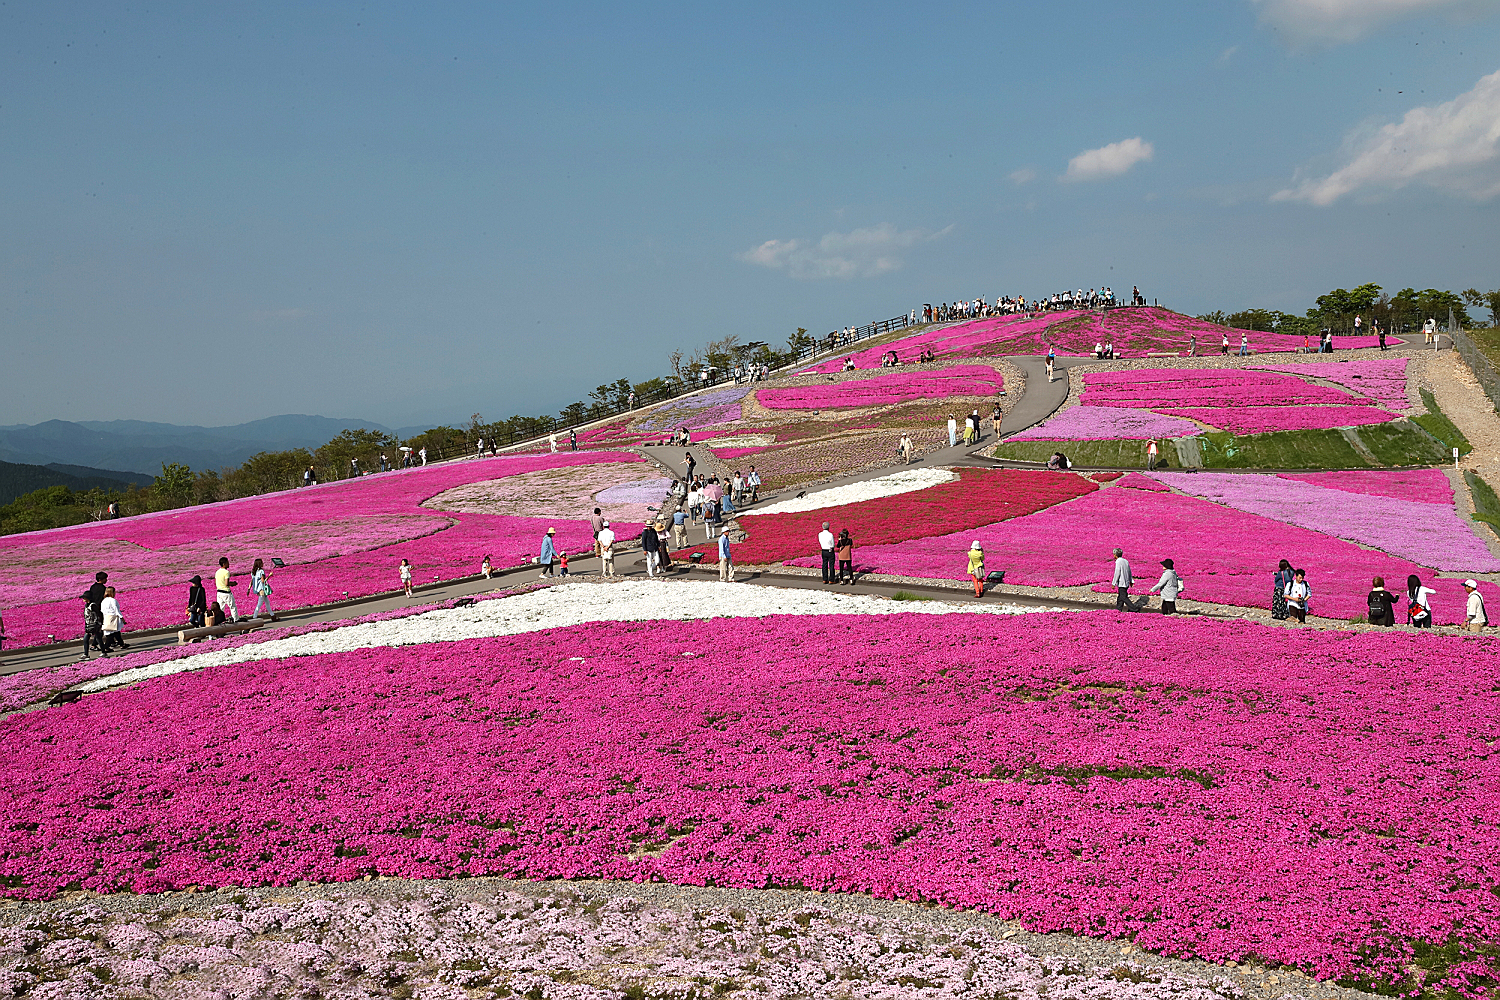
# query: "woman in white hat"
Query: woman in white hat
976,567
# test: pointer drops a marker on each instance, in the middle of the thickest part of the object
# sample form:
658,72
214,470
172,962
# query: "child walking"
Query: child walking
406,578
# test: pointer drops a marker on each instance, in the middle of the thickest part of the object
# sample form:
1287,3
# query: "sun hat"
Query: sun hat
1471,583
1167,563
551,531
976,546
606,524
195,579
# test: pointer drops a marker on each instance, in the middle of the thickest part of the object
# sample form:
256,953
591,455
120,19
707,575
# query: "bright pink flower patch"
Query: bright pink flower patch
1265,419
960,380
1205,788
1136,481
961,340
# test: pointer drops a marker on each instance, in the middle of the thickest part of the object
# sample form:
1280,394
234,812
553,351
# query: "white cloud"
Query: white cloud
861,253
1108,161
1023,176
1228,53
1332,21
1453,147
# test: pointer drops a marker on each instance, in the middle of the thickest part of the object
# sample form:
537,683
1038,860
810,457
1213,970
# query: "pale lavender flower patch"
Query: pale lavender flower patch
1426,534
1104,423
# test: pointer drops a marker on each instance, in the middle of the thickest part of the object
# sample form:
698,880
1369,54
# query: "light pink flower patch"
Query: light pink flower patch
340,539
1417,485
1086,422
1206,788
1225,555
1265,419
1382,379
1425,533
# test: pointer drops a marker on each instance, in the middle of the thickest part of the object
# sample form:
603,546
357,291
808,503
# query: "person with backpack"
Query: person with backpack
1381,603
651,545
1170,586
975,568
260,586
93,615
1298,595
1474,618
1280,582
843,550
1419,610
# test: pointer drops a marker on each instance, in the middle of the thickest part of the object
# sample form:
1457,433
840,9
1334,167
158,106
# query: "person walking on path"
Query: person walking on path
826,546
976,567
197,602
485,568
1051,362
692,463
422,453
952,431
1474,617
1279,584
664,552
549,553
1298,595
844,550
222,592
113,624
753,479
309,478
93,615
260,586
679,528
1381,603
1419,611
1380,332
651,545
996,417
974,420
607,549
406,587
726,560
597,523
1193,344
1170,586
1224,343
1122,581
1150,454
573,439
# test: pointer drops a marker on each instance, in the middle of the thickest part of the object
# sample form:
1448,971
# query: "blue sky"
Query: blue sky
406,213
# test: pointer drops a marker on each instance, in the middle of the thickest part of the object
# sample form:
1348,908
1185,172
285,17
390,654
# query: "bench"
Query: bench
228,628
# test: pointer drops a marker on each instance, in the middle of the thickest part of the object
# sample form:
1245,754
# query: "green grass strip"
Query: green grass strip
1436,423
1486,503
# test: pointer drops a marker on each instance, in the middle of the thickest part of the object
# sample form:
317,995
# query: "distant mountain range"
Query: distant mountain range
16,480
141,447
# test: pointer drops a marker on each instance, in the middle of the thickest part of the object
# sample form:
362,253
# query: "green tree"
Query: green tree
50,507
174,487
333,459
1484,300
798,342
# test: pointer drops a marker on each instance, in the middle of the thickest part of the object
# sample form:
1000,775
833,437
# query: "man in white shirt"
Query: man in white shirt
225,596
606,542
1475,618
753,480
1122,581
825,542
422,454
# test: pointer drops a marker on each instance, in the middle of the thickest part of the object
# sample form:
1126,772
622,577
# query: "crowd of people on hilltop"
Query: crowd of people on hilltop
1006,305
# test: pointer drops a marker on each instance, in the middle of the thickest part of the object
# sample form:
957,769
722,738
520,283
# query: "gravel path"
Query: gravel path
404,938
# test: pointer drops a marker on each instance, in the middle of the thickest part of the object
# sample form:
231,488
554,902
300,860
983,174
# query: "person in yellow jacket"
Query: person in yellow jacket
976,567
